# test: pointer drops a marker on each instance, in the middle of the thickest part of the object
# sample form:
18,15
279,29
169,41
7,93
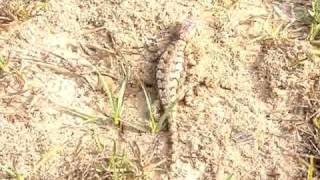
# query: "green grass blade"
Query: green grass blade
83,116
106,89
153,122
12,174
100,145
315,26
229,177
120,105
3,63
54,151
310,169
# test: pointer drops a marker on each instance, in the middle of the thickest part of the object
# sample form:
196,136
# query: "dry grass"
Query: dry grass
313,170
22,10
232,105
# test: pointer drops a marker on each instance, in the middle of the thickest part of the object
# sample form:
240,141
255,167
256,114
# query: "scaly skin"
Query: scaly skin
170,72
171,75
171,69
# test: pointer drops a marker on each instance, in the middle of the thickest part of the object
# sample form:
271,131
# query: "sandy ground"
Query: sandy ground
258,89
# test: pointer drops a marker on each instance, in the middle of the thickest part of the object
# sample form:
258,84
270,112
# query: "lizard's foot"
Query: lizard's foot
189,98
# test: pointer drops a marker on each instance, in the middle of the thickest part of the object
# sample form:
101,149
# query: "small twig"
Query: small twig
89,31
315,42
314,114
8,13
301,155
317,149
101,49
2,18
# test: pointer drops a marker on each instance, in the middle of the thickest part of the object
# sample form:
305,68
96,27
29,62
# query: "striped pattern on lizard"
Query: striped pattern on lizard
171,76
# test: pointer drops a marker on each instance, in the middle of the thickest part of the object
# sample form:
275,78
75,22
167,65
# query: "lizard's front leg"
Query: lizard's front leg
192,79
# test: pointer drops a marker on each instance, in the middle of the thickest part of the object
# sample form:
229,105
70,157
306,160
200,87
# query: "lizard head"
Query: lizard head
186,29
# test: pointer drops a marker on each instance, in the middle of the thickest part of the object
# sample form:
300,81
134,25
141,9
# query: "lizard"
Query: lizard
172,66
171,75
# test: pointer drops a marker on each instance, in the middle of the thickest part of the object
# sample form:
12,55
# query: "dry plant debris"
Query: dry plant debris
79,94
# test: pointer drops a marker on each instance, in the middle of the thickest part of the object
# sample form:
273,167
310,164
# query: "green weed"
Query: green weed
145,164
12,173
115,100
153,120
100,145
45,158
140,167
315,13
85,117
230,177
23,11
310,169
156,124
53,152
3,64
276,32
119,165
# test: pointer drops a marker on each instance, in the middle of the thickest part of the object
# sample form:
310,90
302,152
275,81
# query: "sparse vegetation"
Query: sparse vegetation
46,157
156,123
312,166
315,26
311,169
118,165
153,120
73,57
3,64
53,152
85,117
23,11
12,173
275,32
116,101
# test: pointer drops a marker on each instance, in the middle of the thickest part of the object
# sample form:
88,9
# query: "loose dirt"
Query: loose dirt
258,88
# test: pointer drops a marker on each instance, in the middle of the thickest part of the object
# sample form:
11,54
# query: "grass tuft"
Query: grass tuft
115,100
315,13
85,117
3,64
12,173
156,124
23,11
100,146
153,120
53,152
119,165
310,169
